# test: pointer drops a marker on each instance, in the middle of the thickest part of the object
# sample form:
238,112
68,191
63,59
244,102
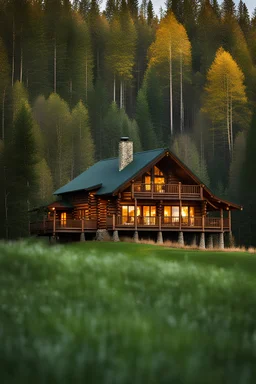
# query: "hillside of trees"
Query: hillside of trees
73,79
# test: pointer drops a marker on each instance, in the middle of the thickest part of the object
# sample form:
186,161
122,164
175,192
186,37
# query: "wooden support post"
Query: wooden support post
229,221
135,215
152,190
160,222
132,189
203,222
179,190
82,224
201,192
221,219
180,216
114,222
54,222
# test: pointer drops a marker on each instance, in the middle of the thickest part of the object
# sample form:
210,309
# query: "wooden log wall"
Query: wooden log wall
111,207
92,202
102,213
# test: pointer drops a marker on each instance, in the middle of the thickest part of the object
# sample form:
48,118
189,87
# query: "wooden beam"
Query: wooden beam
135,215
221,219
229,220
180,217
54,222
179,190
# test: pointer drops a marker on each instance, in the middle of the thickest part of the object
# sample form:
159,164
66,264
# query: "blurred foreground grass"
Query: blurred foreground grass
126,313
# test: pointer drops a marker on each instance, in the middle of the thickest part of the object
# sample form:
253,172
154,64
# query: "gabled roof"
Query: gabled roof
105,175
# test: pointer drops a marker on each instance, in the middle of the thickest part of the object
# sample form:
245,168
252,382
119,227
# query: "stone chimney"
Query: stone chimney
125,152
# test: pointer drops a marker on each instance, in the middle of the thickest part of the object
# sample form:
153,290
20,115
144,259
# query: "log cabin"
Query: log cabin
150,191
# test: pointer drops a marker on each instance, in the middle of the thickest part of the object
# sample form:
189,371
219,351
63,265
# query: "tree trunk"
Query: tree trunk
228,131
171,103
3,115
86,79
21,65
6,205
181,95
13,51
121,94
55,67
114,95
21,57
231,125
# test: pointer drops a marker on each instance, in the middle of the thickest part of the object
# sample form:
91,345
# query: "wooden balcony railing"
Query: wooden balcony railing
177,191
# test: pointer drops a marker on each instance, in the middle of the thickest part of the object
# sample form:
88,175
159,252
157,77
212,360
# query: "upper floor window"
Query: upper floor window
157,172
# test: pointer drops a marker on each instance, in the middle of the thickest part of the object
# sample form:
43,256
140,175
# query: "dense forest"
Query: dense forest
73,79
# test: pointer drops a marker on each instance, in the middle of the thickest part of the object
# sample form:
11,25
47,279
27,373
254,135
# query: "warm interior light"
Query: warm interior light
53,209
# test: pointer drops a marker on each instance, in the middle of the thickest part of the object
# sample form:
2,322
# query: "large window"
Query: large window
149,214
172,215
157,179
128,213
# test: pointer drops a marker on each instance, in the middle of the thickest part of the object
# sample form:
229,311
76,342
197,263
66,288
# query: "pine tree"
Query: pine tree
112,132
111,9
19,97
45,182
154,95
57,137
243,17
185,149
150,12
4,81
133,7
82,144
21,180
236,166
248,185
146,130
228,9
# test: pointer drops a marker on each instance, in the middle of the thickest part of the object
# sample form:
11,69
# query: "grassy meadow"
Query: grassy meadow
126,313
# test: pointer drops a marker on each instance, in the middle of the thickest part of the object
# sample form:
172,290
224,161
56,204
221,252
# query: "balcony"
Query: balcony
167,191
199,223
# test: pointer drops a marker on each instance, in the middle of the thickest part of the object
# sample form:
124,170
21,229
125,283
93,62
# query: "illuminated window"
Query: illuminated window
147,183
63,219
157,172
149,214
128,212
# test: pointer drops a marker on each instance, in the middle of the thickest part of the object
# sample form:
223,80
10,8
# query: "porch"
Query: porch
58,226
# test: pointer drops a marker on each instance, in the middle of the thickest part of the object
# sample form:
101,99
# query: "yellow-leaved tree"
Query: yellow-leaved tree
225,101
120,48
171,55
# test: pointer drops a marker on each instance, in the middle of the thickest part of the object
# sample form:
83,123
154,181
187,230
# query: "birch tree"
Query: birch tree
225,100
171,47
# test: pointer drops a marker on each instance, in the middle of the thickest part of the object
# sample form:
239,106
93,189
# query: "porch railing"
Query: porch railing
45,226
197,222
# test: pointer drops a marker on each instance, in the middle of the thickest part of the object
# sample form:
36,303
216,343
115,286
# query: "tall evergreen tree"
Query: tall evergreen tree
146,130
185,149
82,145
248,185
20,160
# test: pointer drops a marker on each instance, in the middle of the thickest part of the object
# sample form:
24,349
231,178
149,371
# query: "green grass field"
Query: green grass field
126,313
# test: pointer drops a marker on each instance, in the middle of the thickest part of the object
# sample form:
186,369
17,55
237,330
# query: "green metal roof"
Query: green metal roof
106,176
